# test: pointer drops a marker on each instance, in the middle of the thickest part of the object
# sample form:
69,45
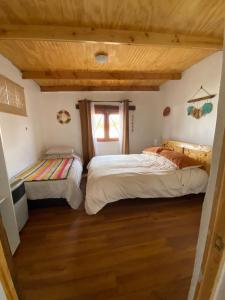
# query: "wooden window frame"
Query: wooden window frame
106,110
8,276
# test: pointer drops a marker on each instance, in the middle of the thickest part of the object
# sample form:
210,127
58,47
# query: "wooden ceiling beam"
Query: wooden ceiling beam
108,36
101,75
98,88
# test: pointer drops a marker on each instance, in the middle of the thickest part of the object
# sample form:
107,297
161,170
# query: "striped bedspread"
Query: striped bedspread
50,169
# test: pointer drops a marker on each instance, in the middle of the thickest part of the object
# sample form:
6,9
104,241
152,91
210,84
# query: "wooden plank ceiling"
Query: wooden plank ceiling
147,42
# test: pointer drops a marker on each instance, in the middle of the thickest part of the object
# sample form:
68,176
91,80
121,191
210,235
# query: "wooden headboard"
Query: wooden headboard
201,153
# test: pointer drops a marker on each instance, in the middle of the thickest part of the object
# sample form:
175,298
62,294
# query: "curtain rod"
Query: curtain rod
105,101
131,107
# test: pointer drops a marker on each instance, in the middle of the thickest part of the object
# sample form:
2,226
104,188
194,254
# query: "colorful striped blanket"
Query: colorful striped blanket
50,169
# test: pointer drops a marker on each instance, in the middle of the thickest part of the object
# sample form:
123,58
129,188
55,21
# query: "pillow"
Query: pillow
155,150
179,159
55,156
60,150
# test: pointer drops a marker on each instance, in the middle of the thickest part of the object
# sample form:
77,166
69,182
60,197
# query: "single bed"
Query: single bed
55,178
115,177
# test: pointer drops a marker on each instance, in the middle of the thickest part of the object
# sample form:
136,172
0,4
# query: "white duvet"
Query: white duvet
68,189
115,177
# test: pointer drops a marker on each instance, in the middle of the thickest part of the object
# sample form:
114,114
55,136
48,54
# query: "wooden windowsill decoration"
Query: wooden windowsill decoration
206,108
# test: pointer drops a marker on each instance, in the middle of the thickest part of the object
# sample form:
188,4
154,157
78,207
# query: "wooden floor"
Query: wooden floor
133,249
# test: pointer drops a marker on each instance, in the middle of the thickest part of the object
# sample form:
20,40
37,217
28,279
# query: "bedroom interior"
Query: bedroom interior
112,150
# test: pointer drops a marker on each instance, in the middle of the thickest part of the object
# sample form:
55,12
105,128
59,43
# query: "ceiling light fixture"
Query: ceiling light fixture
101,57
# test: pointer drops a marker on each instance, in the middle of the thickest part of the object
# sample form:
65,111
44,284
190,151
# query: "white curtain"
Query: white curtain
94,127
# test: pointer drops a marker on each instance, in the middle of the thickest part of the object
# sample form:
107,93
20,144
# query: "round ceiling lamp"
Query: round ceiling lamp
101,57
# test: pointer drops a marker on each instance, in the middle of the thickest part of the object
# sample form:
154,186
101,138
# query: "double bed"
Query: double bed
116,177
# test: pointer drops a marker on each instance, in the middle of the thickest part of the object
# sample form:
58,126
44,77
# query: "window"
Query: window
106,123
99,121
12,99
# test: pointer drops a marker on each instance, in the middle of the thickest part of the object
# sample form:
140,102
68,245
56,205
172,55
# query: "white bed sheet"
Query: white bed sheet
115,177
68,189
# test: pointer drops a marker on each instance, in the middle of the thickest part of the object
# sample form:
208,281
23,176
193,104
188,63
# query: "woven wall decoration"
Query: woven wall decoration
63,117
12,97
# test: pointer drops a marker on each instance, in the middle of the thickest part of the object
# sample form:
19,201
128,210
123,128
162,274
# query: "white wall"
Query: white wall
147,119
178,125
21,136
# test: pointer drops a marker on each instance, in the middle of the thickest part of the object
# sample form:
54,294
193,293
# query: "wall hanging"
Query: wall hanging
166,111
12,97
63,117
197,111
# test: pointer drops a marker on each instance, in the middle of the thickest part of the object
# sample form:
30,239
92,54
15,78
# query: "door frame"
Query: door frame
214,252
8,276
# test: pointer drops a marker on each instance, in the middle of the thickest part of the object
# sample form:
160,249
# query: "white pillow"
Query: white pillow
60,150
56,156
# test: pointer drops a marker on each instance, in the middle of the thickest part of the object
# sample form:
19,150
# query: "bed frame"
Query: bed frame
201,153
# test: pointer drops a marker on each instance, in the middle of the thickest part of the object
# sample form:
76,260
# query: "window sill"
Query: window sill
107,140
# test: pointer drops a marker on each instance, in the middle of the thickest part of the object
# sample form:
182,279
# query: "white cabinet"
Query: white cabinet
6,204
20,202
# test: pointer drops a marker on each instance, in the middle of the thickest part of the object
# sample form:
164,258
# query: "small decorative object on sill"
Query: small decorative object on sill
63,117
166,111
198,112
